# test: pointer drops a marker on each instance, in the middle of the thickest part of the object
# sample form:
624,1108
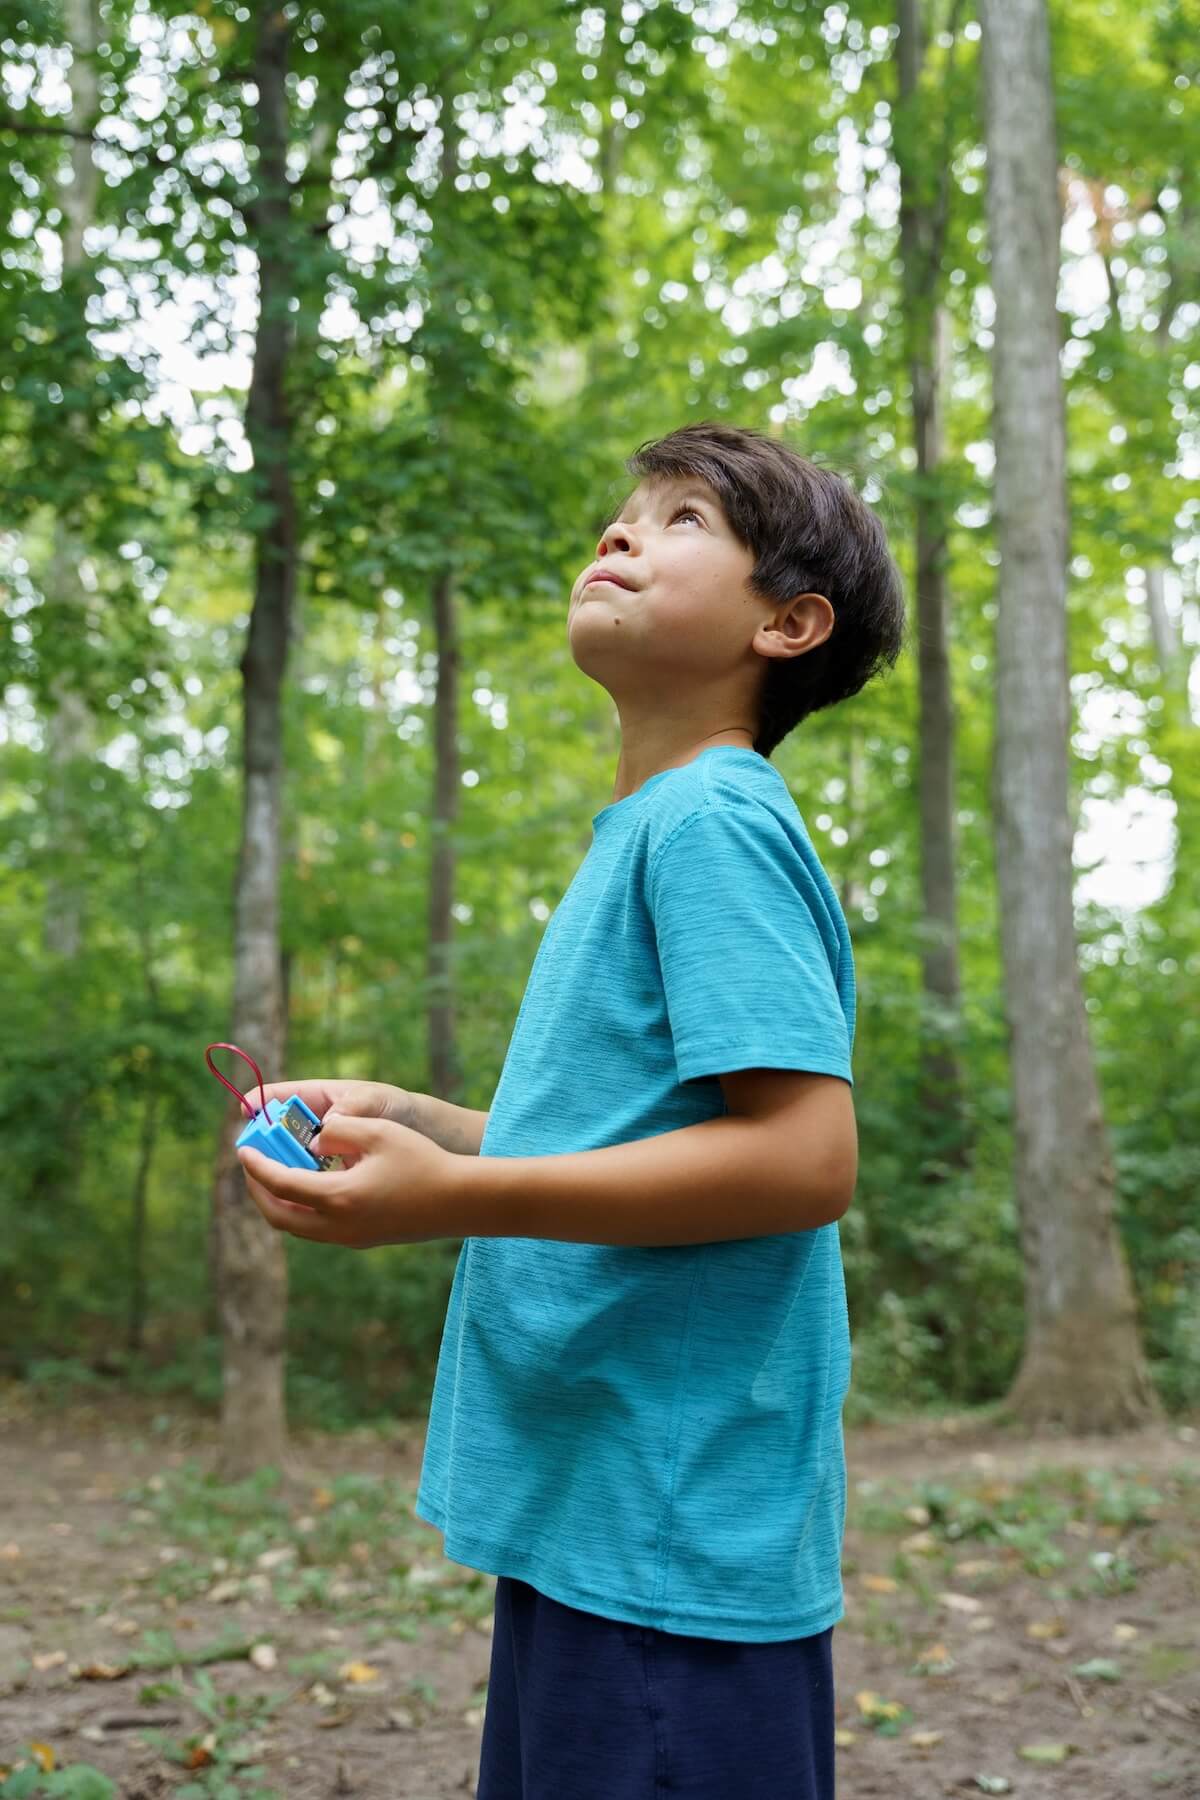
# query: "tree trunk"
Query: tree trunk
137,1232
604,357
854,888
69,726
1162,627
70,733
252,1266
1083,1366
443,1061
922,230
444,1070
138,1236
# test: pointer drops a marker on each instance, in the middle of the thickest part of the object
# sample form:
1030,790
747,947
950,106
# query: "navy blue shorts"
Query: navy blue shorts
585,1708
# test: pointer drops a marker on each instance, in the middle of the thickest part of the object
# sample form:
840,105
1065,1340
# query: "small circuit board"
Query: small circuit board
297,1119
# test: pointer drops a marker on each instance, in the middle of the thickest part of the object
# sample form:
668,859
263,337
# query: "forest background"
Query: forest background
346,323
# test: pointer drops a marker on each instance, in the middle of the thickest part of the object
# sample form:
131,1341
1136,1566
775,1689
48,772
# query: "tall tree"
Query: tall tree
924,198
252,1262
1083,1364
69,727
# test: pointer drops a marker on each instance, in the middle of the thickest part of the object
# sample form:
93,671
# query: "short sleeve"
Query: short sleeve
747,948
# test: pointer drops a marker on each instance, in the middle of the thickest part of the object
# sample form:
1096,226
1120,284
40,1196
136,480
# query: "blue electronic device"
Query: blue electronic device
284,1132
281,1129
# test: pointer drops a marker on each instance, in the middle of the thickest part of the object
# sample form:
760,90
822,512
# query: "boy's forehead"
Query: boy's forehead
659,488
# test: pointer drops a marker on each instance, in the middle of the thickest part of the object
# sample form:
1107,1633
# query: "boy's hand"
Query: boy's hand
397,1187
365,1099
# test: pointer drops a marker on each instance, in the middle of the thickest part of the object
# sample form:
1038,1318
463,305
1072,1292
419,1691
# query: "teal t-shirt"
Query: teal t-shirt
654,1434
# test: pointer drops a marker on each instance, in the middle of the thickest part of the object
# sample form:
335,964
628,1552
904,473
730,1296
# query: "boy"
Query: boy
636,1420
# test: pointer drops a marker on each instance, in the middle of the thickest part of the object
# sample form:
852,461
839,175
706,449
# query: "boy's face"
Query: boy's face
667,597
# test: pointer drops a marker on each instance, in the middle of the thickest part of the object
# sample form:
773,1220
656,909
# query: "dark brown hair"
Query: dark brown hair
810,532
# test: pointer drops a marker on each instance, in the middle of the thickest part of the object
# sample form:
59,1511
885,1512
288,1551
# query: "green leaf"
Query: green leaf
1098,1669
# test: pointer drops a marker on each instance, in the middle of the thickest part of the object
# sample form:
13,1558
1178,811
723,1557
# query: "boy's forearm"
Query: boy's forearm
456,1128
729,1177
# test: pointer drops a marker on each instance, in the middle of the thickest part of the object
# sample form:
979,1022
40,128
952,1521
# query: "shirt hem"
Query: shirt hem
492,1559
733,1054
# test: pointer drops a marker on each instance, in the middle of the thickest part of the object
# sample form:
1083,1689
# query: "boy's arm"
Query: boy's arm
784,1158
456,1128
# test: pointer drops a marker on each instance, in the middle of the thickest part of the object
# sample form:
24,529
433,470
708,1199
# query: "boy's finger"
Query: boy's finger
348,1131
306,1186
314,1092
285,1215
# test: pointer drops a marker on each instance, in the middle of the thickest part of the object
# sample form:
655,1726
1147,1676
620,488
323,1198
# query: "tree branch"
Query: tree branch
27,128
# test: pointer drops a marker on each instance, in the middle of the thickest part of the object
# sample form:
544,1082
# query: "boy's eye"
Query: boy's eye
685,512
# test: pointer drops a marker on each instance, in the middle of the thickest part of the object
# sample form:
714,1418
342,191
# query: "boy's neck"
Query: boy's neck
646,756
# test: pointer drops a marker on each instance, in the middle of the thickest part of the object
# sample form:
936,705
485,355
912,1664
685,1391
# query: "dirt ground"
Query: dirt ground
400,1719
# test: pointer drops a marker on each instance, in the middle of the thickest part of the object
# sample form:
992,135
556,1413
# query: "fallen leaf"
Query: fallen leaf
49,1659
925,1740
980,1565
1125,1634
919,1515
872,1707
881,1584
358,1672
10,1552
99,1671
1046,1628
323,1497
984,1622
1166,1704
1045,1753
1099,1668
993,1784
921,1543
264,1656
936,1660
274,1559
43,1755
963,1603
843,1739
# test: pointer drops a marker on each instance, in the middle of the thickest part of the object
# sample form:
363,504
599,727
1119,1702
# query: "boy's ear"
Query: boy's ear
799,624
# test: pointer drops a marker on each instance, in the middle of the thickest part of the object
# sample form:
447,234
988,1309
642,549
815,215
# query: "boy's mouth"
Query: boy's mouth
607,575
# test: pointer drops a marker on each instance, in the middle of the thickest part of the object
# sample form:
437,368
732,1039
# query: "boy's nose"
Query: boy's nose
616,537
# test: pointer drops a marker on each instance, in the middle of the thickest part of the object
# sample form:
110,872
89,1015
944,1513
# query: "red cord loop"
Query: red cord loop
239,1097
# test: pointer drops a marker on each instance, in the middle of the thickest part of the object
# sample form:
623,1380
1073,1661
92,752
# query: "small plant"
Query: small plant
79,1781
221,1759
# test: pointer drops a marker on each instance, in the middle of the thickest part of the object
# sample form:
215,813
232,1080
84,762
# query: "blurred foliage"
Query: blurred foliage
647,217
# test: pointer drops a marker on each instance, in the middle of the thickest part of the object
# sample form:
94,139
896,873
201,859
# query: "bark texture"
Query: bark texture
250,1257
444,1068
1083,1365
922,233
70,733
